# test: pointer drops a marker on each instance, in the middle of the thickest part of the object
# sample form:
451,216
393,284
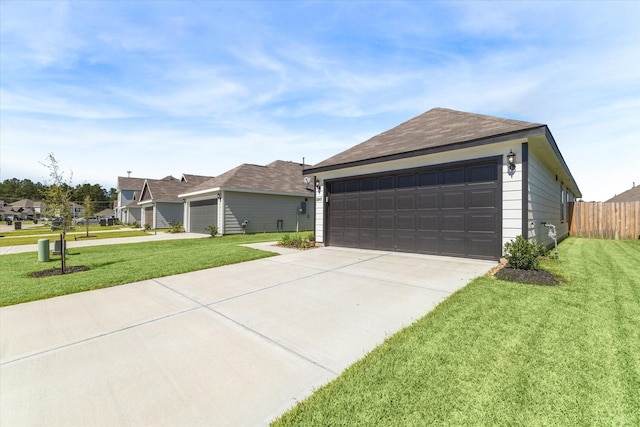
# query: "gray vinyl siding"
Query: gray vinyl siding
544,202
264,210
134,214
168,213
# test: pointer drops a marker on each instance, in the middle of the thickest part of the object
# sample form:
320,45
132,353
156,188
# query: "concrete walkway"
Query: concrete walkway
230,346
71,243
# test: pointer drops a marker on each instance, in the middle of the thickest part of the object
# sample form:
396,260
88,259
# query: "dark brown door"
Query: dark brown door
450,210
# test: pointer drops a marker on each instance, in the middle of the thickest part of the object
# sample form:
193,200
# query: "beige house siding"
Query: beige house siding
264,210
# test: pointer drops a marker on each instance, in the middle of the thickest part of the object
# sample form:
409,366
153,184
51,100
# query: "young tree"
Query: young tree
58,202
88,211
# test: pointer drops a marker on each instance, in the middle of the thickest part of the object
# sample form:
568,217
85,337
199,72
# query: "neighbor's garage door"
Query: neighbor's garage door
450,210
203,213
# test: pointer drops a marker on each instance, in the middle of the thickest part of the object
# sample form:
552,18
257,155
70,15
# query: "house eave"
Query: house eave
525,133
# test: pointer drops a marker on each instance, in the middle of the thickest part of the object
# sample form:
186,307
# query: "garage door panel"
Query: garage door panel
368,222
481,222
481,198
385,240
405,241
406,202
406,222
352,205
452,245
452,200
428,222
337,204
368,203
452,211
385,222
427,201
427,244
352,221
452,222
385,203
368,239
480,247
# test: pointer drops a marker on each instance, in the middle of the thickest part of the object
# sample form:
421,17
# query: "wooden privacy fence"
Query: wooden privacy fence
605,220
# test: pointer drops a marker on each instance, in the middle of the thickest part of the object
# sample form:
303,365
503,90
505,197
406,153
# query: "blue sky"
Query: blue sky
164,87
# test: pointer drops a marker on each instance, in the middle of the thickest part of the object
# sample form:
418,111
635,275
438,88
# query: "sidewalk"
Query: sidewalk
71,243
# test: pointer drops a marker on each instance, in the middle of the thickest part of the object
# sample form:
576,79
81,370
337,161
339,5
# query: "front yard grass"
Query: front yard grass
32,235
117,264
503,353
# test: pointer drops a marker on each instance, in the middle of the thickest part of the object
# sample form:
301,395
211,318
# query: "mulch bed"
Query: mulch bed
58,272
533,277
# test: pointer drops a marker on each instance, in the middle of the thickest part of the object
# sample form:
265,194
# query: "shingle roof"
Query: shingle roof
165,189
631,195
276,177
125,183
436,128
195,179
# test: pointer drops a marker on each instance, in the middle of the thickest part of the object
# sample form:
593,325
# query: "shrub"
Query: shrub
298,240
147,226
523,254
176,227
136,224
213,230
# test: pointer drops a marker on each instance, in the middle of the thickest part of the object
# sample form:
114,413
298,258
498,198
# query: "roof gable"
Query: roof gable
437,127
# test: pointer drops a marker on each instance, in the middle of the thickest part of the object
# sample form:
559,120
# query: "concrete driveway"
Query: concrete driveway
230,346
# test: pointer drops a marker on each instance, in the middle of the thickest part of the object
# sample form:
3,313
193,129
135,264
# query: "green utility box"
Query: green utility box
43,250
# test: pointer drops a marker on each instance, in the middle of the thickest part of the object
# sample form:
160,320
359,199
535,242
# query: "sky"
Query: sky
199,87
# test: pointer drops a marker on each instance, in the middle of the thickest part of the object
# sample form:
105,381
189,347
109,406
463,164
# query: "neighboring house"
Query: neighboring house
159,200
24,209
441,183
274,197
106,213
631,195
126,205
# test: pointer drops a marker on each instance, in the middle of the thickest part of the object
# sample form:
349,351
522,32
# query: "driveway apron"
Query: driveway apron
230,346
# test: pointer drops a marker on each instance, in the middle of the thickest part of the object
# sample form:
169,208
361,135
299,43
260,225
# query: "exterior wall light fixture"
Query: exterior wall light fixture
511,161
219,196
318,186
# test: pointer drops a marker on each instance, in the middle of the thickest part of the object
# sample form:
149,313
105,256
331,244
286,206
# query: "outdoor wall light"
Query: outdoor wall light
219,196
511,160
318,186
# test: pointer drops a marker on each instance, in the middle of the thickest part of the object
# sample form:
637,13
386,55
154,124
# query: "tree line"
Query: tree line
12,190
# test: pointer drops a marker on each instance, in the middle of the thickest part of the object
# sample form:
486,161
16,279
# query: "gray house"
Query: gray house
445,183
160,201
267,198
126,205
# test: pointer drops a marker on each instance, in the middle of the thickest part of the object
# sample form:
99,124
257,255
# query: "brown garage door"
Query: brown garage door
450,210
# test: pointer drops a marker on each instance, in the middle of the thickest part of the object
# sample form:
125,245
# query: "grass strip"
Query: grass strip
502,353
93,235
117,264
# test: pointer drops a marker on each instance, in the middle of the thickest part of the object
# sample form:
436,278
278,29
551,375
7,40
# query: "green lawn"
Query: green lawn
117,264
501,353
32,239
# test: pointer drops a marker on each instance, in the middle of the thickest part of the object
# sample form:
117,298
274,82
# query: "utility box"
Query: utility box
17,225
43,250
57,247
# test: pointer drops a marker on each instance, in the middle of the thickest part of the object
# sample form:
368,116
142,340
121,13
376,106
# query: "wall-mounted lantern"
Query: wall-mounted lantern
219,196
511,161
